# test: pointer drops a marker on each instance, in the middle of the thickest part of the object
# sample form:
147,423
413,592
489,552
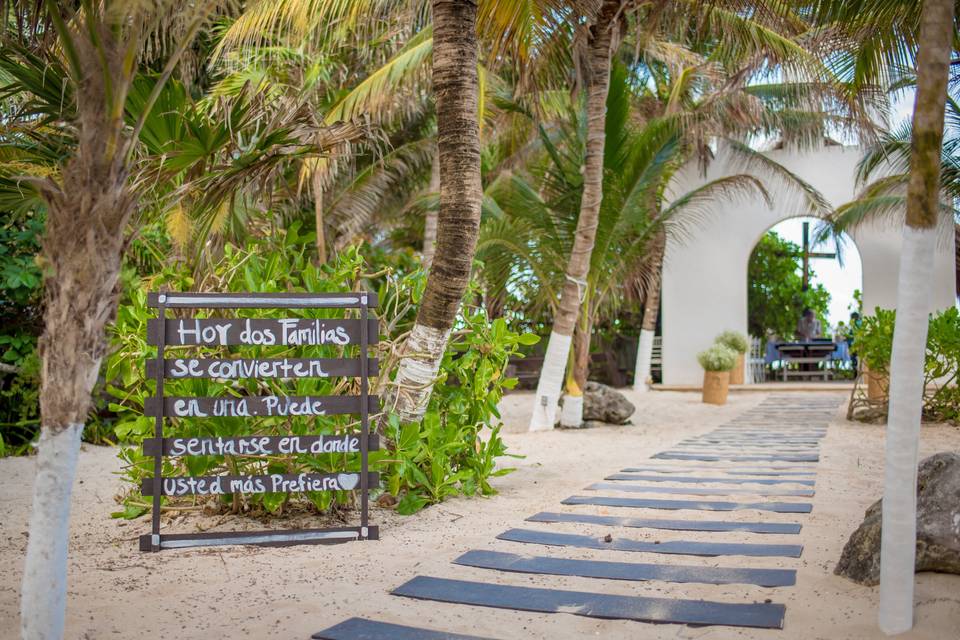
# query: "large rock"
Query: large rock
605,404
938,525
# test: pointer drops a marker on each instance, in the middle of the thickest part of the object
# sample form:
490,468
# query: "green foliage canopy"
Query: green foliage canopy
775,296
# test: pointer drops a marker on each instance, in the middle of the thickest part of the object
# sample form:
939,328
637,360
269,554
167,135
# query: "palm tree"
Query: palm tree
742,43
525,247
602,38
88,209
82,92
455,85
515,37
898,538
892,41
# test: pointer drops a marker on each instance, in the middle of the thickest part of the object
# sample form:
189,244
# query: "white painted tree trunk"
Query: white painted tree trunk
422,355
899,531
571,415
551,382
44,592
644,361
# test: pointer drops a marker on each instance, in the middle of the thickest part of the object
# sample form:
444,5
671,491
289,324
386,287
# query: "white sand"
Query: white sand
116,591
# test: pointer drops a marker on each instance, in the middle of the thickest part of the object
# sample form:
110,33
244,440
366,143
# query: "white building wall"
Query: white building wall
705,276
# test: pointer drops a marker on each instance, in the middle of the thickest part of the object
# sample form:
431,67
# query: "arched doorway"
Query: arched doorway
705,273
790,271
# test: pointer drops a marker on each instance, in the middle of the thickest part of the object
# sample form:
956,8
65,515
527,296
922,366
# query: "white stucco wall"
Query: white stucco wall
705,276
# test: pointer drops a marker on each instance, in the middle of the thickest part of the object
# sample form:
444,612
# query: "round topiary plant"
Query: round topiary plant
717,358
734,340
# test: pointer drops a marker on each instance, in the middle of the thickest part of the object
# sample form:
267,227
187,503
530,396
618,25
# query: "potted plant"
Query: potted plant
717,361
740,345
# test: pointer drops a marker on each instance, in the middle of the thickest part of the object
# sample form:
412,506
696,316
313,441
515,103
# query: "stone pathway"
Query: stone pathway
735,479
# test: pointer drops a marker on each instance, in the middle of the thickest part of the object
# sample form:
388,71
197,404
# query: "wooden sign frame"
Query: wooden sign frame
362,332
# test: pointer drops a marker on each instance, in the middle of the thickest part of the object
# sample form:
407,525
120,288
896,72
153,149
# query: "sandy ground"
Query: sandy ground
117,592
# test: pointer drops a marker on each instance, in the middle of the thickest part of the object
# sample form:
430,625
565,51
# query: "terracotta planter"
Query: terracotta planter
716,384
736,374
877,385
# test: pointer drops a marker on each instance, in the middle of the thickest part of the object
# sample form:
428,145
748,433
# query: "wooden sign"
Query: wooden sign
216,332
262,300
257,406
257,445
209,333
276,483
283,368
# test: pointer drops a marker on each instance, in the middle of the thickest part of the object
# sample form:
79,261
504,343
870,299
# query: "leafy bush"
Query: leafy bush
449,452
734,340
873,343
717,358
20,324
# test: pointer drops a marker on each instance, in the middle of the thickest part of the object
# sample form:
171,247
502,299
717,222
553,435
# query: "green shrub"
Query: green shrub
873,344
717,358
734,340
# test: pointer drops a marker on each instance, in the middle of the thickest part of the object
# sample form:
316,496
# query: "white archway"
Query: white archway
705,276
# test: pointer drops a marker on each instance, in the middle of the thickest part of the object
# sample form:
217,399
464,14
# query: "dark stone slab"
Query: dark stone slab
708,480
627,570
698,505
671,547
671,525
594,605
772,471
697,491
362,629
679,455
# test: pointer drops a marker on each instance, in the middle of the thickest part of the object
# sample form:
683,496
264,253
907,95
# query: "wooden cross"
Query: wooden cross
807,255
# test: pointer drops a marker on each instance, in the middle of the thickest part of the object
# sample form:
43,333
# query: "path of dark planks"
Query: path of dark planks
671,525
594,605
672,547
774,444
627,570
363,629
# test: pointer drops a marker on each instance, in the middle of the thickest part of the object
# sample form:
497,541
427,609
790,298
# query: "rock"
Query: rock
605,404
938,525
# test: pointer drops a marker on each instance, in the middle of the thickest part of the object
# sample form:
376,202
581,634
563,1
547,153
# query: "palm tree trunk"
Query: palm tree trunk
88,211
558,347
571,417
455,84
430,219
318,216
86,218
899,531
648,327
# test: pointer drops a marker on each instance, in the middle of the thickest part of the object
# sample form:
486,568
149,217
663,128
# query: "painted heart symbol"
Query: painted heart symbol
348,481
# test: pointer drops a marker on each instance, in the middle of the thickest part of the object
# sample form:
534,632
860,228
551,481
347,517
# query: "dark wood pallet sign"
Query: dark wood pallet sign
257,406
258,445
234,369
276,483
594,605
165,332
363,629
220,332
